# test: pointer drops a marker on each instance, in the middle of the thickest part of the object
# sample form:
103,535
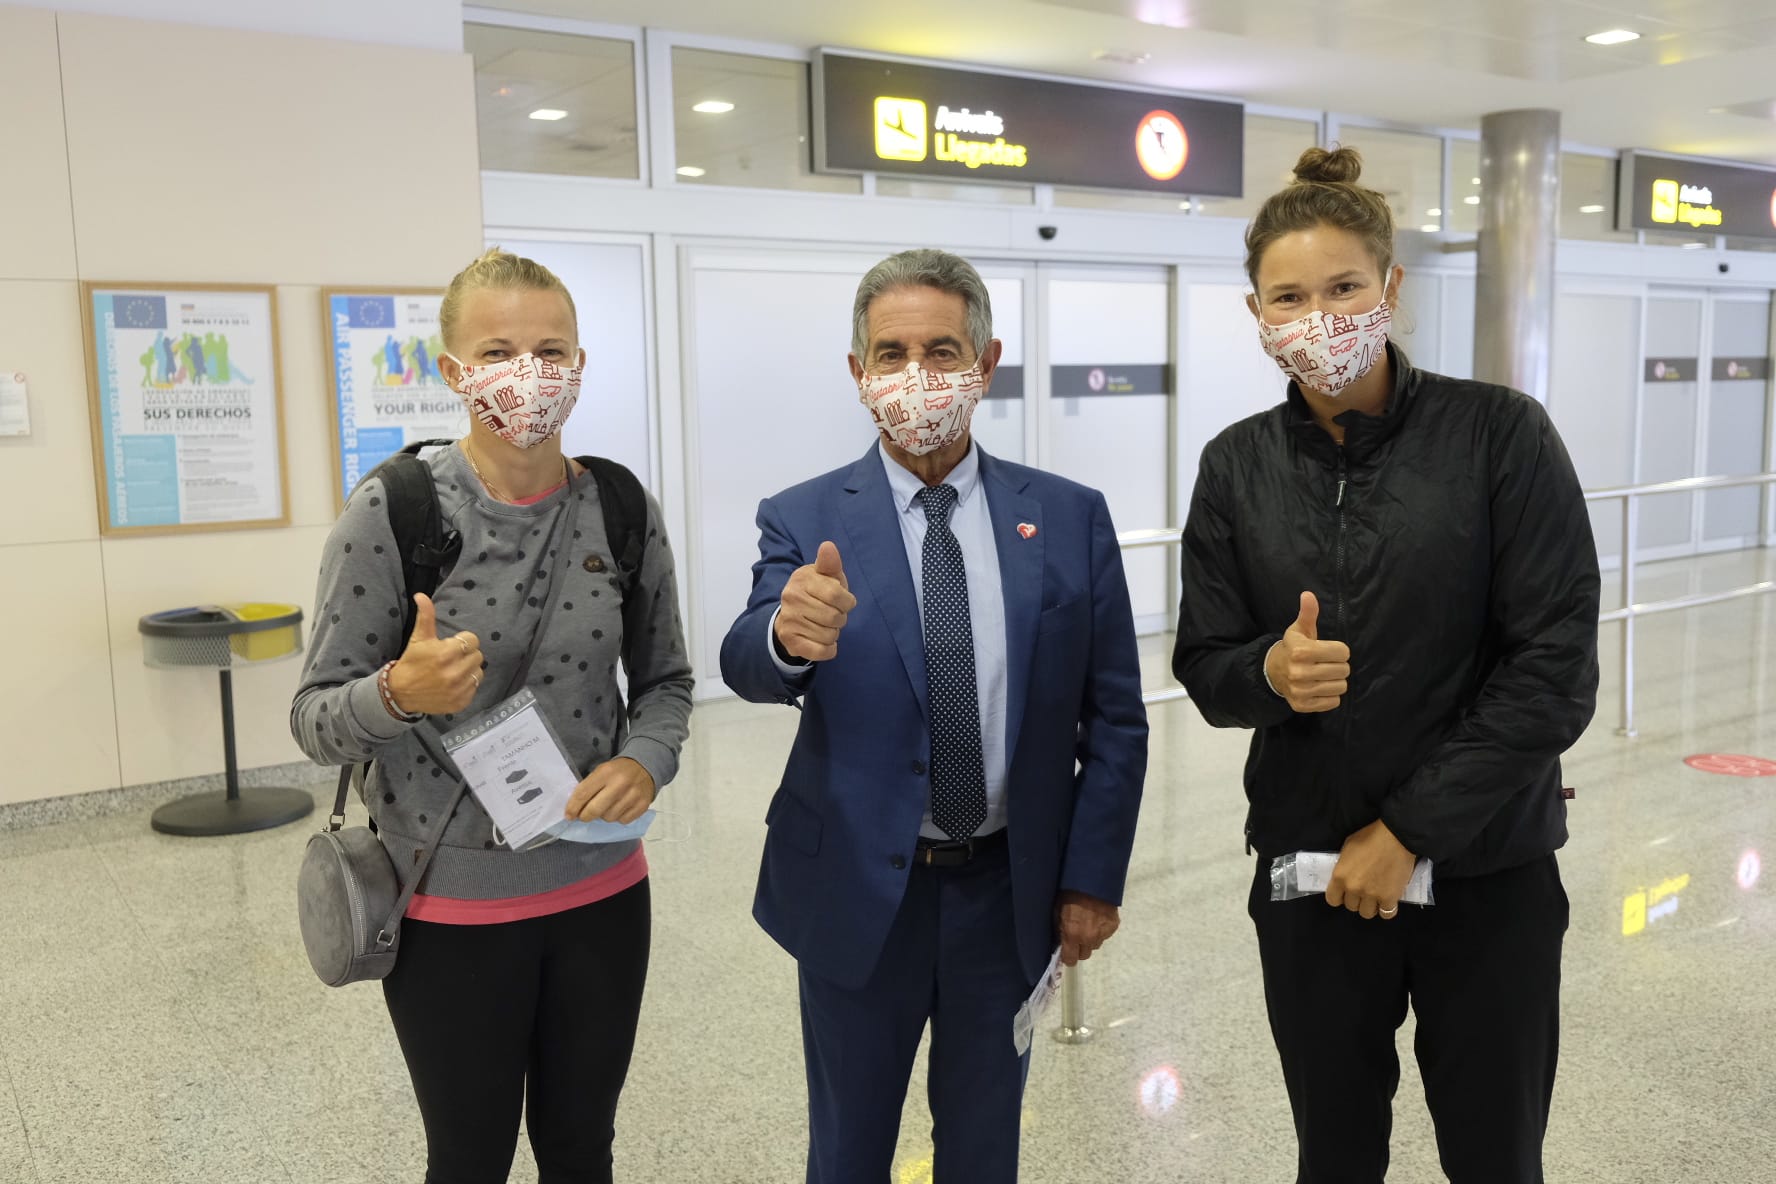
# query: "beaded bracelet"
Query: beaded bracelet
388,697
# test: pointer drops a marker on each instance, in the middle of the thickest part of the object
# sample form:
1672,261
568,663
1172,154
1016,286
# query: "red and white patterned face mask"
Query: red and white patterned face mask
522,400
922,410
1326,352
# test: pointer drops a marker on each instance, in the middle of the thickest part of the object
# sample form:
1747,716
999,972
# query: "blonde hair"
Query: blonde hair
499,269
1324,192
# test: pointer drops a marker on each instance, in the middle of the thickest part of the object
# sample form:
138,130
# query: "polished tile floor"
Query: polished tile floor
158,1021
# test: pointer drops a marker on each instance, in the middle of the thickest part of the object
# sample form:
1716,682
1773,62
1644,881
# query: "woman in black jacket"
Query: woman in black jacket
1391,578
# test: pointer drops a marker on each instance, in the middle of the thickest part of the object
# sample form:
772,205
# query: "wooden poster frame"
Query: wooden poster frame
96,408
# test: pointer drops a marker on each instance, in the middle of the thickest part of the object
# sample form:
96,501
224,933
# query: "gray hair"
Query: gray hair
924,268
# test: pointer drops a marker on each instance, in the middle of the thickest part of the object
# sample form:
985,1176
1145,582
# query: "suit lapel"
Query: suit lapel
875,552
1020,573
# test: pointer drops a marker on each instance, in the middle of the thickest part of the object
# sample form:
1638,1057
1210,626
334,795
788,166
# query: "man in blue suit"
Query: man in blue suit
961,796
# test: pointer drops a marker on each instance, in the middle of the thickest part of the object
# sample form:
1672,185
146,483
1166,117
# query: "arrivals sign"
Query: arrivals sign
890,116
1678,194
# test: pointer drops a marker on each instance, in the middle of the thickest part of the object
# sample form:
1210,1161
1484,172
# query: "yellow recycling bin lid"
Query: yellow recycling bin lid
221,635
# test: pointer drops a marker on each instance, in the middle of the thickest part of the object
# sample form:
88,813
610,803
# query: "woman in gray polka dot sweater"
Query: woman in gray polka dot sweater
501,948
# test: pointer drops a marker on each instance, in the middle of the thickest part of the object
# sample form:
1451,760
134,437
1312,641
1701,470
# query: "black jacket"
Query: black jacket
1450,548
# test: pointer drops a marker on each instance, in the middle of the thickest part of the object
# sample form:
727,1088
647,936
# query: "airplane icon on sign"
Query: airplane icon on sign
900,129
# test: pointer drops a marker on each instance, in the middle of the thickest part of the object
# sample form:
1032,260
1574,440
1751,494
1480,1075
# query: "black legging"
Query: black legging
488,1013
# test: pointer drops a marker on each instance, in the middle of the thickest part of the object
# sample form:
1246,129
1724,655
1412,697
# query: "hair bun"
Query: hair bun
1339,166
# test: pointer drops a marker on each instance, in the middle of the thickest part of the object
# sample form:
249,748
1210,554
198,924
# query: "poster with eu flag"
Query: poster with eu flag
387,392
187,414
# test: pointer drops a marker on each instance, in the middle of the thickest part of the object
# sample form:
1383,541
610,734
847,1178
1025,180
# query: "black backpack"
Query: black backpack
427,552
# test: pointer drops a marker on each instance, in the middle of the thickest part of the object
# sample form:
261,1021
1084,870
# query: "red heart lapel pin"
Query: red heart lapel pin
1027,529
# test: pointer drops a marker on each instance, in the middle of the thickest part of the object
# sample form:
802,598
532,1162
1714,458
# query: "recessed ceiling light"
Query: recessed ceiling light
548,113
1694,246
1613,37
1476,180
503,92
1472,201
1430,228
690,170
1434,213
1122,56
1590,209
1169,14
713,107
1183,205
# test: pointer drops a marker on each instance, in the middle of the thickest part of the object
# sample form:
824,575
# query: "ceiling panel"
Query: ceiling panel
1436,62
1443,31
592,79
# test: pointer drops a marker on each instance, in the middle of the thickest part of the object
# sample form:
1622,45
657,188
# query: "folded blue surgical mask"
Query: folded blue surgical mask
600,831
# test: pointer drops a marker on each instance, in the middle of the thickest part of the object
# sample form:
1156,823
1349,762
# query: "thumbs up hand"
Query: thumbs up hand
815,605
436,676
1313,675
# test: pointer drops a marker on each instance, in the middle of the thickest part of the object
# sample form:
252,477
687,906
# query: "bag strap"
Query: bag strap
560,537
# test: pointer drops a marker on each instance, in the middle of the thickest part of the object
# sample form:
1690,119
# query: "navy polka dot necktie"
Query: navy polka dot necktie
958,782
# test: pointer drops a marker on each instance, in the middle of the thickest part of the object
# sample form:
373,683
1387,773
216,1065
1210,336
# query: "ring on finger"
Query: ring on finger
1390,914
463,644
476,675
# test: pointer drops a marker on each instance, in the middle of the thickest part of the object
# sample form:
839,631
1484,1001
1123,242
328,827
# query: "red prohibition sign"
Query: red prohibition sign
1161,145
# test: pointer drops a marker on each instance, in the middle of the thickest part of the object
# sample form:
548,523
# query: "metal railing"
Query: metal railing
1630,612
1129,540
1626,616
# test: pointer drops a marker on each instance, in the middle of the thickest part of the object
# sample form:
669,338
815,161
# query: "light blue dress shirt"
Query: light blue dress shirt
972,525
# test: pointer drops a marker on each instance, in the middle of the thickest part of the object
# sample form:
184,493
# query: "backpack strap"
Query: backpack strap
411,500
625,507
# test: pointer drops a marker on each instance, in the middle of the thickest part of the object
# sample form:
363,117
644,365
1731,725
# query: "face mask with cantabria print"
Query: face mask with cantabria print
920,410
1325,351
523,400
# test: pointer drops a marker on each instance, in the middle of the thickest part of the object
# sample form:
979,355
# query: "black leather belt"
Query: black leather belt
957,853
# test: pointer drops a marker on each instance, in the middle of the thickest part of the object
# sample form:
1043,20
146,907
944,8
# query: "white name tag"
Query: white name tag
515,768
1023,1024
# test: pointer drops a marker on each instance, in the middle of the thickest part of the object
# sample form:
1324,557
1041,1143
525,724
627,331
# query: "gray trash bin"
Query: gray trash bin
221,637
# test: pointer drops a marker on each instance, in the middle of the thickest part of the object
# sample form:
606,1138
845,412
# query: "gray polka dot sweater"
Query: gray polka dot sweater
496,590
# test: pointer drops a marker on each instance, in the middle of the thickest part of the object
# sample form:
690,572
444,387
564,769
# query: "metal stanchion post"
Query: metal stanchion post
1073,1029
1629,508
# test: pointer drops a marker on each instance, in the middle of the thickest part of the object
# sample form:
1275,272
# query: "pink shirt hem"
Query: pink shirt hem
450,910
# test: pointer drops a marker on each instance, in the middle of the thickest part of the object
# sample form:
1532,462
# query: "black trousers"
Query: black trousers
1481,968
488,1014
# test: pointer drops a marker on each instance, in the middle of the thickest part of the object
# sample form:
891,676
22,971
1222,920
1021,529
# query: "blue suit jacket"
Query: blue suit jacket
844,821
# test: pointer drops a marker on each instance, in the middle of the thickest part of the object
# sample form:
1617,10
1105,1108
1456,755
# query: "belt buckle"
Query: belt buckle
964,847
